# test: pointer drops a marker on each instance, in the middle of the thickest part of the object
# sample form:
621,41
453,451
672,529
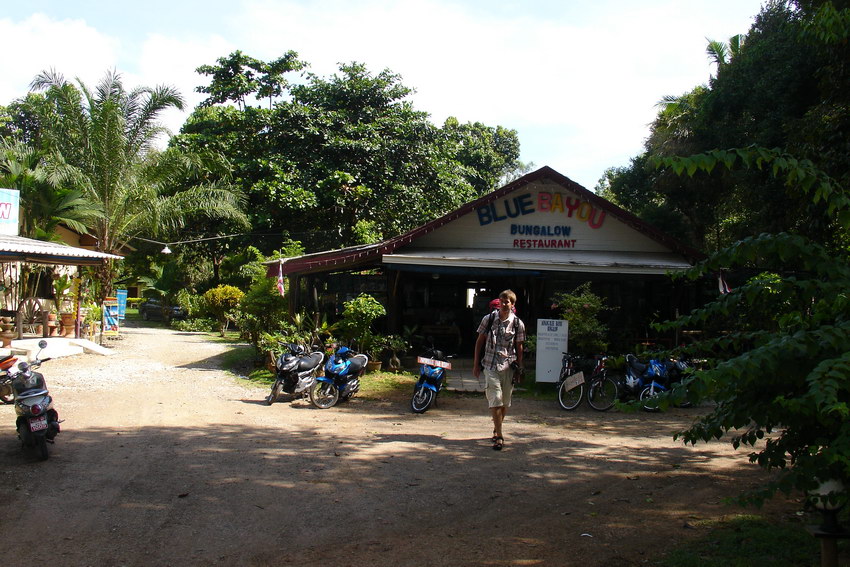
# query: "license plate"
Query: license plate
38,423
575,380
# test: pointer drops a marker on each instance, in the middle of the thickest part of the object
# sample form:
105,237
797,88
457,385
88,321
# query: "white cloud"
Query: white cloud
579,82
38,43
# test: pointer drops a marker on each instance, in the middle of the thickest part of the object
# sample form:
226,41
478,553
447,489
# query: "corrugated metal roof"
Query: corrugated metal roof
18,248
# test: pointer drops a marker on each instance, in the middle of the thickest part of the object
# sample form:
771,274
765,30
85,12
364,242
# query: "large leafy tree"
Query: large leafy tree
778,374
108,135
346,159
773,89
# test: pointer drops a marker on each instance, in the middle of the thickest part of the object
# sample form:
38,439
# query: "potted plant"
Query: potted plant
374,347
395,344
358,314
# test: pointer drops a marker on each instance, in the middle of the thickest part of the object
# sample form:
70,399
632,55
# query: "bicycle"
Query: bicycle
572,384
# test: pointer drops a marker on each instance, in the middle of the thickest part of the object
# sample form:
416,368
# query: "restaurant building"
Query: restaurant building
539,235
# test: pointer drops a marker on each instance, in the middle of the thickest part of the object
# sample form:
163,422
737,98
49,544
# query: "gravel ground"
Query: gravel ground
164,459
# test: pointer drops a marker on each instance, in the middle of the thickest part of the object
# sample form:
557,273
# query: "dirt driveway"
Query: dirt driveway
166,460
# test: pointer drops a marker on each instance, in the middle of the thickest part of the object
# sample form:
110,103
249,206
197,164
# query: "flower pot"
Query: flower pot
373,366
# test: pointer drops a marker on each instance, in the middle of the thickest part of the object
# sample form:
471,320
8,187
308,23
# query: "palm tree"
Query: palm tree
48,199
109,136
721,54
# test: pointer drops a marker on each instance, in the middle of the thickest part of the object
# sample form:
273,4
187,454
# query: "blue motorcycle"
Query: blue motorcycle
341,380
432,374
647,381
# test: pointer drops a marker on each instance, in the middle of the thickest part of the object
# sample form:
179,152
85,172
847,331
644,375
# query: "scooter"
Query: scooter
341,380
296,372
646,381
37,422
7,396
432,373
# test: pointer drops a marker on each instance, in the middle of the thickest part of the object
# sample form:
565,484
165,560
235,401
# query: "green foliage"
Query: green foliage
221,302
347,159
107,136
780,374
196,325
261,310
358,314
582,307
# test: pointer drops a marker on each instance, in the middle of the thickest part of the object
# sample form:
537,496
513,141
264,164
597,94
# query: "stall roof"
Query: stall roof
20,249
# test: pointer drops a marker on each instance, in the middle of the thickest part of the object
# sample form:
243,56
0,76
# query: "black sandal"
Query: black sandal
498,443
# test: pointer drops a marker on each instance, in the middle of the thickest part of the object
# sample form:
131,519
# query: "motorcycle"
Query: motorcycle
296,372
37,421
343,370
646,381
432,373
7,396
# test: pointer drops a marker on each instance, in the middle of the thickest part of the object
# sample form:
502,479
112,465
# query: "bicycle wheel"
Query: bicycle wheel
570,399
602,393
649,399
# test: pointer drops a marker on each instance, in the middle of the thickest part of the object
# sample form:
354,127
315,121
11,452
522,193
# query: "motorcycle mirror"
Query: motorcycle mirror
42,344
23,366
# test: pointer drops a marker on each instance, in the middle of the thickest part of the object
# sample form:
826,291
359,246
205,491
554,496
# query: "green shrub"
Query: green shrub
221,302
582,308
196,324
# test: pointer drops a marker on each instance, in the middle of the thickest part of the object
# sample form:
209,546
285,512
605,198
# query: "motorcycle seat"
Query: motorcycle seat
311,361
357,363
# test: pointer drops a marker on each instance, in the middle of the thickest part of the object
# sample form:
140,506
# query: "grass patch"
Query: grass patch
386,385
748,541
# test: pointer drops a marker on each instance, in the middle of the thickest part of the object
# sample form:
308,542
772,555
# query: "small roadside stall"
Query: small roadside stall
23,314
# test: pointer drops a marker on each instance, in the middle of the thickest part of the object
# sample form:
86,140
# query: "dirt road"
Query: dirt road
166,460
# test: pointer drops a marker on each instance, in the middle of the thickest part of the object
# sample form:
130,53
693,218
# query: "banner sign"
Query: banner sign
552,336
110,317
433,362
121,295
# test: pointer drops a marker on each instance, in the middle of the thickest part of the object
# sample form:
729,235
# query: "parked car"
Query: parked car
152,309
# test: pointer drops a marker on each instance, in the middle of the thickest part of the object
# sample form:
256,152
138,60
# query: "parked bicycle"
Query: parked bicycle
599,389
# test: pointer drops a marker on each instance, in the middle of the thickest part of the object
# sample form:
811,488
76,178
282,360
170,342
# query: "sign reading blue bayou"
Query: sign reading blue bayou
544,204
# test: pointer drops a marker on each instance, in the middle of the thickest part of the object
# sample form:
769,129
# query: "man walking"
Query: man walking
500,336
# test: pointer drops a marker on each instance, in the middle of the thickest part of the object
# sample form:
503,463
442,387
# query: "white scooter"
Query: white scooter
37,422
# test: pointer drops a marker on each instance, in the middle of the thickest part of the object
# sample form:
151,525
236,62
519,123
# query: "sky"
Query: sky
579,80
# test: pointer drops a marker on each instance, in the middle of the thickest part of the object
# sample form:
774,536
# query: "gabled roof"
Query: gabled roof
364,255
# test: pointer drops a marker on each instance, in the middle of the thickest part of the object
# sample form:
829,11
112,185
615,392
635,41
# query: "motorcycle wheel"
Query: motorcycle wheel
570,399
422,399
649,399
272,398
602,395
41,447
324,395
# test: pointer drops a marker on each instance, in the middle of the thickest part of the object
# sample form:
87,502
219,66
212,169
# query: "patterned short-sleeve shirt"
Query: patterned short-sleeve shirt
499,350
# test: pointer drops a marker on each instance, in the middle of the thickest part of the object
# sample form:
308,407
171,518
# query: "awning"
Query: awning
541,260
20,249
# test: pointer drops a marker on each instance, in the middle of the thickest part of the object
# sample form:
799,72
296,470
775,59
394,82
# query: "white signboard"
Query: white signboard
552,335
10,204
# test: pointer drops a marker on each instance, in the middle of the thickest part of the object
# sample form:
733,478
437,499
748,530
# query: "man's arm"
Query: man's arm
476,361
